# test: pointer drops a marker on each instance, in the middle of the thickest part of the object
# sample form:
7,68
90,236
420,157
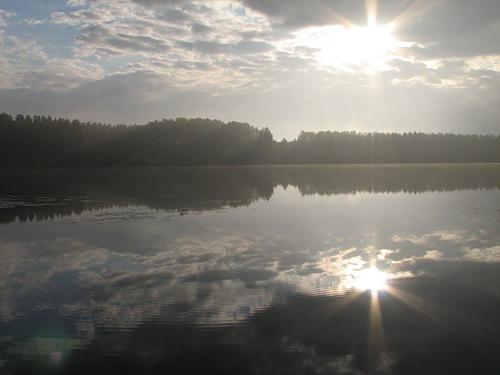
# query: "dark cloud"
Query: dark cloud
200,28
251,46
206,47
243,274
104,38
302,13
160,2
138,280
457,28
243,47
175,16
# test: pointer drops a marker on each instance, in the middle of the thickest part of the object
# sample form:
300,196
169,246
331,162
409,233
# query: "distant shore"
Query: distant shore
45,142
250,166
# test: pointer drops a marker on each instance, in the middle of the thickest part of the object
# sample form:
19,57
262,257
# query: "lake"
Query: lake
251,270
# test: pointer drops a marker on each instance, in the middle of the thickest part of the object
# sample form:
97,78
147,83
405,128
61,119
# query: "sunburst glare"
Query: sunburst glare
344,47
371,279
352,47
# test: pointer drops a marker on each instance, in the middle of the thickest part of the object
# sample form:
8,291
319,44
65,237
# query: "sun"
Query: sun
351,47
371,279
359,46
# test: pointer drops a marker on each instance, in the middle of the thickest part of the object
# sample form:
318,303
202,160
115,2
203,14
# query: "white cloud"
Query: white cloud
76,3
4,16
34,21
490,254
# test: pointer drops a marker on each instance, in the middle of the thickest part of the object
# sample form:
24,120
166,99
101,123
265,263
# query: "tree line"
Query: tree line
39,142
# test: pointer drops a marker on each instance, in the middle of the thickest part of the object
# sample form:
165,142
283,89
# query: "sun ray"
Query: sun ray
346,45
420,305
361,47
412,14
376,336
456,321
371,13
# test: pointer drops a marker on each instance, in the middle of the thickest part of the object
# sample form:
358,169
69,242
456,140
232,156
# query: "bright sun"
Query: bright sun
347,46
371,279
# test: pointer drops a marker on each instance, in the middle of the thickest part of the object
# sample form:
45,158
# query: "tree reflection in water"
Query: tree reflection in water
269,270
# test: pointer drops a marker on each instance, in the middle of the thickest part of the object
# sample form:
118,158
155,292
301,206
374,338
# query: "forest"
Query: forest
44,142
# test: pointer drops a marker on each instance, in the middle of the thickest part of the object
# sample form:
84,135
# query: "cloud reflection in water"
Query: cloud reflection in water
286,280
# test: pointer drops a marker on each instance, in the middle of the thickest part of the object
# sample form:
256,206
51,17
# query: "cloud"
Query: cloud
76,3
244,47
103,39
60,74
243,274
252,47
34,21
458,28
200,28
245,60
300,13
4,16
160,2
175,16
145,95
447,28
490,254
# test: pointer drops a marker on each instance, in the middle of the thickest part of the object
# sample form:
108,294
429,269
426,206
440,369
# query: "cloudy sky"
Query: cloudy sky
291,65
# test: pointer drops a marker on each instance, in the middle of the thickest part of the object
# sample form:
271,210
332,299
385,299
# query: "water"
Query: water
255,270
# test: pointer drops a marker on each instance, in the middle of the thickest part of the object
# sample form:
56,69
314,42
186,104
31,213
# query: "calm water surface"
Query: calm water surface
256,270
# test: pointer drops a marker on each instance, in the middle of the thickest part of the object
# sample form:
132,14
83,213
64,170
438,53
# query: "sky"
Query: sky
290,65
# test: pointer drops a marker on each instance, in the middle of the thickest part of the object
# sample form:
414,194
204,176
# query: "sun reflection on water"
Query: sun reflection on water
371,279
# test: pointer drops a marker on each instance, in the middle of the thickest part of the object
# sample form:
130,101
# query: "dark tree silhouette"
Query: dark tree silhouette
40,141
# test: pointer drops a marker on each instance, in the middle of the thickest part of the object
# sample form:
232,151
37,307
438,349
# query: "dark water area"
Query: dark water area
251,270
